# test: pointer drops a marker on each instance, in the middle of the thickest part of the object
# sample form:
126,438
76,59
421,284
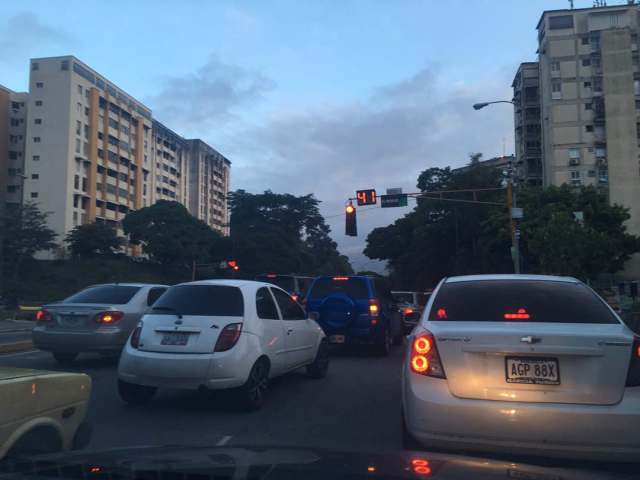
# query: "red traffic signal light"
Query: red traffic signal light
351,226
233,265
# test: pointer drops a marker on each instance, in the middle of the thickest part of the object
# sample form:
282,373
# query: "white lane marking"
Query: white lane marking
223,441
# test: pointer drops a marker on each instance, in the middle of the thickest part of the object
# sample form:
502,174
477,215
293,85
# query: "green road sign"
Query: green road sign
389,201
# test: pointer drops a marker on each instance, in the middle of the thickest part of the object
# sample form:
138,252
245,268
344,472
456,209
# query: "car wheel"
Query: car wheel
254,391
408,441
65,358
135,394
384,345
38,441
320,365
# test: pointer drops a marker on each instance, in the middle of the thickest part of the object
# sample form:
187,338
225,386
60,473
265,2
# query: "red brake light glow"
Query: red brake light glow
340,279
419,363
441,313
43,316
424,358
408,311
521,314
421,466
294,297
109,317
271,275
422,345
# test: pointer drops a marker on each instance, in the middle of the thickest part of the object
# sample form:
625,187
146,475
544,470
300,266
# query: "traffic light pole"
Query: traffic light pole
515,250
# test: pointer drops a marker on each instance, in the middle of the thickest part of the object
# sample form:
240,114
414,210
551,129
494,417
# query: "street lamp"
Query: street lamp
515,243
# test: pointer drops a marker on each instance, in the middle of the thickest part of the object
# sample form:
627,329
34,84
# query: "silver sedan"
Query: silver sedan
524,364
97,319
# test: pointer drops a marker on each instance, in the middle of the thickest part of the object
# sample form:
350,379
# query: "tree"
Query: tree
282,233
170,235
25,232
93,239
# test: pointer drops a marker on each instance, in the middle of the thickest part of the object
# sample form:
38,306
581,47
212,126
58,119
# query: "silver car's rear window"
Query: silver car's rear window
112,294
519,301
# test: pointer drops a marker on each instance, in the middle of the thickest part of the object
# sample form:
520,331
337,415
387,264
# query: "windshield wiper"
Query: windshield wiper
168,309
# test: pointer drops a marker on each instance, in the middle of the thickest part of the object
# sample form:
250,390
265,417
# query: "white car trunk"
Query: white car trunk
478,357
168,333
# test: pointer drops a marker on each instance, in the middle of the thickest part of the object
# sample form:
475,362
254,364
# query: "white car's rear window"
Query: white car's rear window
206,300
519,301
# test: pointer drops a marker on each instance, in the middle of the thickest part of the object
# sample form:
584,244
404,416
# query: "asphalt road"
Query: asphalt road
356,407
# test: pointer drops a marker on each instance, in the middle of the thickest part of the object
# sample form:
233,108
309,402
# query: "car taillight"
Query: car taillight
424,358
228,337
408,311
294,297
43,316
374,307
135,337
633,375
109,317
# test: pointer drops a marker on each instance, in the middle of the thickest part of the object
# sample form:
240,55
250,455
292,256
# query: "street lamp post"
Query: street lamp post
515,243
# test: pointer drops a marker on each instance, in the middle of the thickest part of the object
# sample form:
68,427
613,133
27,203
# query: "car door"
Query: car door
273,335
299,335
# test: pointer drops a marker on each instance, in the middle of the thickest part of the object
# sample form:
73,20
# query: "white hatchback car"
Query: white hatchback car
522,364
220,334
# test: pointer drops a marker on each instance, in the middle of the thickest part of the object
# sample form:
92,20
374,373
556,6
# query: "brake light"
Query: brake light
294,297
109,317
135,337
374,307
43,316
441,313
408,311
633,375
340,279
425,359
521,314
228,337
271,275
421,466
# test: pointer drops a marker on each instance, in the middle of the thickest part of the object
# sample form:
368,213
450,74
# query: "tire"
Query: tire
135,394
383,347
408,442
254,391
65,358
320,365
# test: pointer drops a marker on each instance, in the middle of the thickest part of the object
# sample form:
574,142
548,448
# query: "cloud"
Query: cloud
209,96
21,34
381,142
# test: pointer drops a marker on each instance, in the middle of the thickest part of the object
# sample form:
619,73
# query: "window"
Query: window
35,176
78,127
355,288
154,294
76,182
80,89
78,145
86,131
13,155
560,22
38,103
64,65
584,40
289,308
114,294
555,66
586,84
588,106
34,194
37,121
36,158
574,153
265,307
544,301
575,175
588,128
556,89
601,152
36,139
201,300
79,107
586,62
636,87
86,111
35,66
591,173
39,84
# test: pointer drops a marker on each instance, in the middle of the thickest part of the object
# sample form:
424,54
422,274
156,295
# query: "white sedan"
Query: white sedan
220,334
522,364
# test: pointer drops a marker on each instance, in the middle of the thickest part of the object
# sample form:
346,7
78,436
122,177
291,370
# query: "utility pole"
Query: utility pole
515,250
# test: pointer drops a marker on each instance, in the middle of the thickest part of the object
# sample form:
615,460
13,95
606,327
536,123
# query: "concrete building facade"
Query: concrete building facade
13,130
589,67
170,177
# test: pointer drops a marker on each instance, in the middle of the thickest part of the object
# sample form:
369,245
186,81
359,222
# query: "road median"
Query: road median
14,347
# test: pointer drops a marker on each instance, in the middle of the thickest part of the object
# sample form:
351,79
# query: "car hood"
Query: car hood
280,463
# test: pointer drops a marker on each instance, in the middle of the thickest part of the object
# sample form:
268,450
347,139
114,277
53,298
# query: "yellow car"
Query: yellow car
42,412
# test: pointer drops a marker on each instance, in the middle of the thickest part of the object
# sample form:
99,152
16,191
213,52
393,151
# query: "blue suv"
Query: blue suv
355,309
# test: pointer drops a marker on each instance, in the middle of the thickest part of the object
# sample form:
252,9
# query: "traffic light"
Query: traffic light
233,265
351,226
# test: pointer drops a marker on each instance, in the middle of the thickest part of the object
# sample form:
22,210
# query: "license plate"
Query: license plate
535,370
175,339
71,320
336,339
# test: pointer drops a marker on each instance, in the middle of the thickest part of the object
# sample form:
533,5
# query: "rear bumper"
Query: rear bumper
437,418
101,340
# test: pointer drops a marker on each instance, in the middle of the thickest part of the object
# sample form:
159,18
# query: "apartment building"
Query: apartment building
87,153
13,129
528,128
170,178
589,73
209,173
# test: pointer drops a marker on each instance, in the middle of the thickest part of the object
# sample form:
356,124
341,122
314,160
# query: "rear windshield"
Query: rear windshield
402,297
285,282
113,294
519,301
209,300
353,287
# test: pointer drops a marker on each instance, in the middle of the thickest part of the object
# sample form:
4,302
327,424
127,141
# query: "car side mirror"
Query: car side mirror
314,316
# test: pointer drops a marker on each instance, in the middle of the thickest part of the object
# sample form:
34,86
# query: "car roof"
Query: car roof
230,283
542,278
119,284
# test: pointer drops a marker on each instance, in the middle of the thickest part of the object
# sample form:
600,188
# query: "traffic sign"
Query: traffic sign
389,201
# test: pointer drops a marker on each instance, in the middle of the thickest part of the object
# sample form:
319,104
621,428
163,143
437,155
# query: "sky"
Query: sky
322,97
